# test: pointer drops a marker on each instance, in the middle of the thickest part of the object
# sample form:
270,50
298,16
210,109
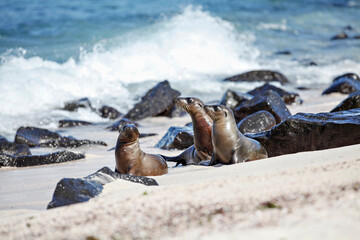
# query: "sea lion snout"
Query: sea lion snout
128,133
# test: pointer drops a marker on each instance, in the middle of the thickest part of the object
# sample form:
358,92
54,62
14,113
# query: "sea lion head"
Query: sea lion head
128,133
217,112
190,104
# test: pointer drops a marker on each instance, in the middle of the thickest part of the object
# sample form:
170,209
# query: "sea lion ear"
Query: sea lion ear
200,105
225,114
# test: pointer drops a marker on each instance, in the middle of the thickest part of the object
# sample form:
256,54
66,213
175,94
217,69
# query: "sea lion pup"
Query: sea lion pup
202,127
130,159
230,145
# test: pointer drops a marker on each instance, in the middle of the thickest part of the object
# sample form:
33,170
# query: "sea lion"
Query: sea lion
230,145
202,127
130,159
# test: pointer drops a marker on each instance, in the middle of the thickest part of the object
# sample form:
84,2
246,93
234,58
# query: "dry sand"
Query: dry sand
307,195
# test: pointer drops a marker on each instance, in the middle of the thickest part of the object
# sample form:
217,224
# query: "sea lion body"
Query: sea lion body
130,159
202,126
230,145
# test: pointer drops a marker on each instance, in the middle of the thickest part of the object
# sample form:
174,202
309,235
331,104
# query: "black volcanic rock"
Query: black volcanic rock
269,101
351,102
309,132
257,122
156,102
7,160
116,126
232,99
340,36
73,106
347,75
13,148
72,123
75,190
288,97
346,84
177,138
259,76
109,112
283,53
39,137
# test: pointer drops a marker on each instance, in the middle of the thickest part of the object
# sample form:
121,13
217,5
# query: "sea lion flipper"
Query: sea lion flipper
236,157
214,159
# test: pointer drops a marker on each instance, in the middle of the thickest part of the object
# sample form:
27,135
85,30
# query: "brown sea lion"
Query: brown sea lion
130,159
230,145
202,126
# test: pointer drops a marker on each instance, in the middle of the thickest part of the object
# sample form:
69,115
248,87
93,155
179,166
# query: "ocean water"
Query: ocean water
114,51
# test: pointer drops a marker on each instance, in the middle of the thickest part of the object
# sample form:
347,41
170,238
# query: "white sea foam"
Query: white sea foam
190,47
194,50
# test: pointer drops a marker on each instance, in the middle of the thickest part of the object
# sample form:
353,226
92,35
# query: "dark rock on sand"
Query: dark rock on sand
309,132
73,106
7,160
72,123
39,137
109,112
269,101
340,36
259,76
74,190
177,138
143,135
346,84
288,97
116,126
232,99
351,102
257,122
11,148
156,102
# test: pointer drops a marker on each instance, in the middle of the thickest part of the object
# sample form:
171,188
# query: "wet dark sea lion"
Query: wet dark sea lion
130,159
202,126
230,145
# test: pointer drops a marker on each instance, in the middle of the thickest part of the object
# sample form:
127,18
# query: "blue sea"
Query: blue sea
114,51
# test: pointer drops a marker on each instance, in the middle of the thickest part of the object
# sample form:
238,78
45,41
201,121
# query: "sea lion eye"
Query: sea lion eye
217,108
189,100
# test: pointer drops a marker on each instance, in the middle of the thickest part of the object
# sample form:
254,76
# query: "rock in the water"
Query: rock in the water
73,123
7,160
177,138
232,99
351,102
309,132
259,76
13,148
288,97
257,122
269,101
73,106
340,36
75,190
109,112
156,102
116,126
39,137
283,53
346,84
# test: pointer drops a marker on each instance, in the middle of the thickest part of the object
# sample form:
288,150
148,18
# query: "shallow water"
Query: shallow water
52,52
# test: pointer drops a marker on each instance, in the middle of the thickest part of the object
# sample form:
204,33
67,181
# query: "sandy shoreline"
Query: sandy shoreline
314,194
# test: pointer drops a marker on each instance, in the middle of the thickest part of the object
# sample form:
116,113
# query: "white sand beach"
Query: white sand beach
308,195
